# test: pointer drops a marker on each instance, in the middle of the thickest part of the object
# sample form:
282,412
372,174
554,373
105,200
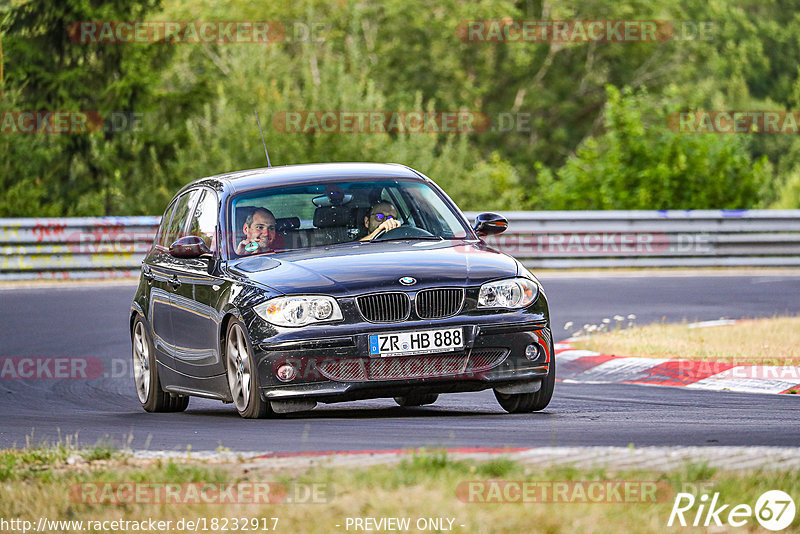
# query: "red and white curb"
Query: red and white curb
587,367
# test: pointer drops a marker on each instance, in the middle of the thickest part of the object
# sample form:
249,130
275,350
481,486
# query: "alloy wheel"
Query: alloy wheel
239,371
141,362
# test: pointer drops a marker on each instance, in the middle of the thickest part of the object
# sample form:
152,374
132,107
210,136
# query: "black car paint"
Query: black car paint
188,303
358,267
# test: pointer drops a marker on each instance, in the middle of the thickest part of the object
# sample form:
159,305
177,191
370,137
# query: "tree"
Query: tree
47,70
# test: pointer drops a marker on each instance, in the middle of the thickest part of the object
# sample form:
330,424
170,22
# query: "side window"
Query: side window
161,237
180,216
204,221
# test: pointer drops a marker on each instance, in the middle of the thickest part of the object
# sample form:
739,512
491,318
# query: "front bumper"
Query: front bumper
339,368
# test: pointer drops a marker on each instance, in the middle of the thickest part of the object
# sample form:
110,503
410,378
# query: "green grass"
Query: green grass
31,461
103,450
38,460
421,484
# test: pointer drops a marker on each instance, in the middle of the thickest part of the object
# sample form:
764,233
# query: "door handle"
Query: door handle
174,283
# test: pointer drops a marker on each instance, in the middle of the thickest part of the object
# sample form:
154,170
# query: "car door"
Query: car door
195,293
161,272
155,271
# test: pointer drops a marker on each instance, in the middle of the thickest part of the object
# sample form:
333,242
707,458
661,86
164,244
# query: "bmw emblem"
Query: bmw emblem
408,281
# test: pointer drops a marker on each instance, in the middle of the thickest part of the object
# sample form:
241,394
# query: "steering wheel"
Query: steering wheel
401,232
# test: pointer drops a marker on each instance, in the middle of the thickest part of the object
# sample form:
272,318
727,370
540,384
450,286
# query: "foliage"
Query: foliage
590,129
636,165
94,173
789,193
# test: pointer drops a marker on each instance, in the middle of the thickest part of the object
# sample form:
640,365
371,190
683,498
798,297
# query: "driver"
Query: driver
382,217
260,234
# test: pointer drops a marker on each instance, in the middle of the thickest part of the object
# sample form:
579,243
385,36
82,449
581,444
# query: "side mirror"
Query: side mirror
189,247
489,224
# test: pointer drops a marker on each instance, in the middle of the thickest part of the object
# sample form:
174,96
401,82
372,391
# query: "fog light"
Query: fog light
532,352
286,373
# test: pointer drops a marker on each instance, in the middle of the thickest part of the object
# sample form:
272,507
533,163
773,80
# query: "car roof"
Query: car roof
235,182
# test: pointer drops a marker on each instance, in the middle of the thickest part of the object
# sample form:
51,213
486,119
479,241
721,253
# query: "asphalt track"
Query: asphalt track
91,321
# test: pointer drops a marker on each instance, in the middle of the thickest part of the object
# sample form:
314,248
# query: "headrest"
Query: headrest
328,216
285,224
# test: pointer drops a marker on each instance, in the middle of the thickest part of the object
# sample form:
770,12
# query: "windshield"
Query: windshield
297,217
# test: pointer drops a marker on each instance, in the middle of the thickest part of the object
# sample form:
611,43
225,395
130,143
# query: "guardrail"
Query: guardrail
73,248
669,238
112,247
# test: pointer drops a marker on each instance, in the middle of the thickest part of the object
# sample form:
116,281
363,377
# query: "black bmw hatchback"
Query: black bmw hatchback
275,289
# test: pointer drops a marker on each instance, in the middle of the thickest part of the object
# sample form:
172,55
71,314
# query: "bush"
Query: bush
789,192
638,163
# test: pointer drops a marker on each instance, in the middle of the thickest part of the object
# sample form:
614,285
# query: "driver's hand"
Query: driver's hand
388,224
385,226
242,249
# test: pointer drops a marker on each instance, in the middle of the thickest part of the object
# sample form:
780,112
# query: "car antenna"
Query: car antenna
262,138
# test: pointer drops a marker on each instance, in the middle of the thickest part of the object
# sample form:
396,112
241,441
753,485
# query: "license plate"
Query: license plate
419,342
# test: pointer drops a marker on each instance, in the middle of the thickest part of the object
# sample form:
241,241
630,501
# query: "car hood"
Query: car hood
363,267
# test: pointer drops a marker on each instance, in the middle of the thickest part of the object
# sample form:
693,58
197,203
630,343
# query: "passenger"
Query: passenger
382,218
260,234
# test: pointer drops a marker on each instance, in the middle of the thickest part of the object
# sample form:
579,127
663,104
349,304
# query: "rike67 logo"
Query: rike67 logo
774,510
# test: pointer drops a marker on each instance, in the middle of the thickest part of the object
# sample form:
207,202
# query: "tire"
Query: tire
145,374
416,399
240,369
531,402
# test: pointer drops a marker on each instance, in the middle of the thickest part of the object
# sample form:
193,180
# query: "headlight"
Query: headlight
510,293
299,311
